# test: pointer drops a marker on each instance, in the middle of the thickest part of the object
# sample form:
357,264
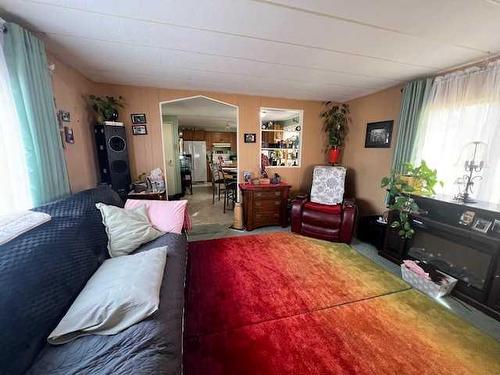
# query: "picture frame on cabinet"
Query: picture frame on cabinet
481,225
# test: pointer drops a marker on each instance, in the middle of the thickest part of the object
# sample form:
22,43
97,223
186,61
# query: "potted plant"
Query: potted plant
106,108
419,180
336,120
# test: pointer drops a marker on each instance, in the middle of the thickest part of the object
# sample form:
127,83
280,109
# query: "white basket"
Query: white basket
428,286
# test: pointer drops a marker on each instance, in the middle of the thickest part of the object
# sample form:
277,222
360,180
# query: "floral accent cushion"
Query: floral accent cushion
328,185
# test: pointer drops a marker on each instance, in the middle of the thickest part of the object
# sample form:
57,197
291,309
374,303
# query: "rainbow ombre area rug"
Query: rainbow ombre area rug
285,304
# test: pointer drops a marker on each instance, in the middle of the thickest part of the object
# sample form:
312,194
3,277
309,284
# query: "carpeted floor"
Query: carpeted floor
286,304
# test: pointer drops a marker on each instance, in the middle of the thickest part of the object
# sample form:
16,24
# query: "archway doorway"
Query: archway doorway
200,153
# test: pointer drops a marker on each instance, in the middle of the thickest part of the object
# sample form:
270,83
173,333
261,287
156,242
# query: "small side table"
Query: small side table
372,231
149,195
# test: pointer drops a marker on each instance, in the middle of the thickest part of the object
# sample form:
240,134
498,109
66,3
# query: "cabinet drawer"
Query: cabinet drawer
267,205
266,218
270,194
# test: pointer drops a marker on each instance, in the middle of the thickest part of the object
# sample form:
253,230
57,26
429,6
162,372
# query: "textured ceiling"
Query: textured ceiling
322,49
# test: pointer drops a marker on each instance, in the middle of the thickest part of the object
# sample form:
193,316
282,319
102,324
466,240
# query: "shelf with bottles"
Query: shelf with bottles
281,126
278,142
280,131
280,148
281,136
282,157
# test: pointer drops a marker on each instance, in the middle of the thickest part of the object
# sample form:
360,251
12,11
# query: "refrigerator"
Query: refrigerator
198,152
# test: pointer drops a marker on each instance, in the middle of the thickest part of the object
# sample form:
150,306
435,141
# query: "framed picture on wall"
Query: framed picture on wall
250,137
379,134
138,118
139,130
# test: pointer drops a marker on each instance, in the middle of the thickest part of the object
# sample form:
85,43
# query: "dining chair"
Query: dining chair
217,181
230,193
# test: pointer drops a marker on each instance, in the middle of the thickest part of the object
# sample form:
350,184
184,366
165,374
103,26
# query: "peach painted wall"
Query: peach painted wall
146,151
69,88
367,166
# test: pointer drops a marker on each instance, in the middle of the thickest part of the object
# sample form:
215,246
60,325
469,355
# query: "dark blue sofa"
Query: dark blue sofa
42,272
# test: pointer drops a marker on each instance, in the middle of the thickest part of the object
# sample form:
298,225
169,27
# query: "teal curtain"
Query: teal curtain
34,100
415,95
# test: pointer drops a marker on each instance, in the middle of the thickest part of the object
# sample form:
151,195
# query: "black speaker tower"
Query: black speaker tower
112,154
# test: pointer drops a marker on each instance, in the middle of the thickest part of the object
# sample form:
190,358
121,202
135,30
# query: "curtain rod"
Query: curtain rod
479,63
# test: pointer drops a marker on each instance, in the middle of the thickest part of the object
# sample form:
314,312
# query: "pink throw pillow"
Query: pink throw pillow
167,216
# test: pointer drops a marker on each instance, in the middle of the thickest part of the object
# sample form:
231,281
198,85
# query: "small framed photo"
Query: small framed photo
139,130
379,134
496,227
481,225
138,118
69,136
247,177
64,116
250,137
467,218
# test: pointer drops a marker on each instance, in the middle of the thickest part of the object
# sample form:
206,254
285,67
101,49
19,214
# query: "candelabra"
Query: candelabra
471,166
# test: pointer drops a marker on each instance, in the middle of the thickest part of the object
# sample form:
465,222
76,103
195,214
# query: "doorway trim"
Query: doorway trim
213,100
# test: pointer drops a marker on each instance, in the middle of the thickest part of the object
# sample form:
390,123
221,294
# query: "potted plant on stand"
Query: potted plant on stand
106,108
419,180
336,120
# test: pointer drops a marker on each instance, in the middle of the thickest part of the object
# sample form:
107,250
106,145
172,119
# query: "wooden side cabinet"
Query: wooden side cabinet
264,205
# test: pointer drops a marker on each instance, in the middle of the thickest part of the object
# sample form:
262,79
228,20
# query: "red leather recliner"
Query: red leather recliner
325,215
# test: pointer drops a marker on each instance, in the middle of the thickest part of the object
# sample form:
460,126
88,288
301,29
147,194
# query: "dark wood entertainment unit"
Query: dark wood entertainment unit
471,256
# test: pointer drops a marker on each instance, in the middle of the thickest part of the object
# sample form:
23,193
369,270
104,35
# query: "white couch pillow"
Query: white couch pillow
122,292
126,229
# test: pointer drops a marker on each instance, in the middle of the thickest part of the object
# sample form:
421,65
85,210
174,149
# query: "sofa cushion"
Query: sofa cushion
328,185
325,208
121,293
167,216
42,272
153,346
321,219
126,229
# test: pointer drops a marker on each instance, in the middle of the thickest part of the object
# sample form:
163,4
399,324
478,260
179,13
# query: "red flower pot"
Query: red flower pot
334,155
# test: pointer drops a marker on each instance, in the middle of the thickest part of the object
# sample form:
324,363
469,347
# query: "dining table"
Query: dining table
230,172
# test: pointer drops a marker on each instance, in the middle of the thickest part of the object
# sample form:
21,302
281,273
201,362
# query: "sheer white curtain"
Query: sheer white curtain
463,107
14,189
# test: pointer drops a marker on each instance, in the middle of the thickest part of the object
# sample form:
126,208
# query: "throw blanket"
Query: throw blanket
13,225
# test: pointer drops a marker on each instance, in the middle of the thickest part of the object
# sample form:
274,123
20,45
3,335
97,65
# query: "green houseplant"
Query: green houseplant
336,121
106,108
415,180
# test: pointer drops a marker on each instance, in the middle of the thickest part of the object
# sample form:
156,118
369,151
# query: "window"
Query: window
14,189
281,137
463,108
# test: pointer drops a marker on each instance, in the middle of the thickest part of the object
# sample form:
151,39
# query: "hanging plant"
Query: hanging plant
336,121
419,180
106,108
